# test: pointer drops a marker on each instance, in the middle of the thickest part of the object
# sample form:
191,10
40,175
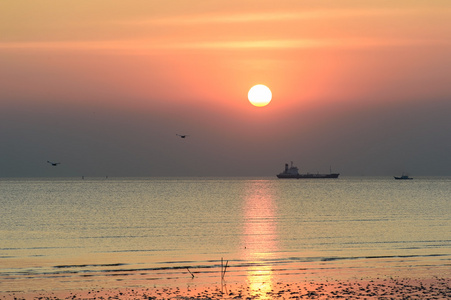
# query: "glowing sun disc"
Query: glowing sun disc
259,95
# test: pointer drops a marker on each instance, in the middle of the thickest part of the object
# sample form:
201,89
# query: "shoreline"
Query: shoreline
388,288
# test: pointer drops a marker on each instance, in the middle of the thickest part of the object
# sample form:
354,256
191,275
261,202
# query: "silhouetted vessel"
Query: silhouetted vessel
403,177
293,172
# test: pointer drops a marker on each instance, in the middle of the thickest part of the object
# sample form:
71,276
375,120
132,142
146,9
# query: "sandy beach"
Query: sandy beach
435,288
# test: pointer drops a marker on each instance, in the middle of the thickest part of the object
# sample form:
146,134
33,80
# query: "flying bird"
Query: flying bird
181,135
53,163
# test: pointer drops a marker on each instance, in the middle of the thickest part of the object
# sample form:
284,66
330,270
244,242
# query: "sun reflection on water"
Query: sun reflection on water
260,236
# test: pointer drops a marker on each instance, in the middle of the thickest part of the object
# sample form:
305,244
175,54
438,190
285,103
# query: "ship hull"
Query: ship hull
307,176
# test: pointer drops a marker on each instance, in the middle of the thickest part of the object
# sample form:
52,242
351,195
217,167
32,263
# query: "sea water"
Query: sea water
73,233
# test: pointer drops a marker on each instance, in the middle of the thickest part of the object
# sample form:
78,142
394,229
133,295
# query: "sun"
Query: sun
259,95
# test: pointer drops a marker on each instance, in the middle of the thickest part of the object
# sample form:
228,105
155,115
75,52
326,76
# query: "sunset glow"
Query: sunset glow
110,71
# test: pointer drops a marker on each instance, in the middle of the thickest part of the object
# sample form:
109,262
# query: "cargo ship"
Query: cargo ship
293,172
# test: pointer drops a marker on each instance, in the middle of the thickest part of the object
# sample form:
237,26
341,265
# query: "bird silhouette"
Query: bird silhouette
53,163
181,135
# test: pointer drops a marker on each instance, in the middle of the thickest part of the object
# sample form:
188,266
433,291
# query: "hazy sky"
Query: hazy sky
104,86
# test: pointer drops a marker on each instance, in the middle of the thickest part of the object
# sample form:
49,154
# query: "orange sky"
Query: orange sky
354,83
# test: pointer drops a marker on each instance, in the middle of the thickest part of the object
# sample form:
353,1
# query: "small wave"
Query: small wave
135,250
379,257
35,248
88,265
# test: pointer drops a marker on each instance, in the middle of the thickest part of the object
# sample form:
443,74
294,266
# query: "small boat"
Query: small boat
403,177
293,172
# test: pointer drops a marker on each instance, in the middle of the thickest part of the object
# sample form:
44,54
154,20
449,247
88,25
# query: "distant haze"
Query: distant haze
359,87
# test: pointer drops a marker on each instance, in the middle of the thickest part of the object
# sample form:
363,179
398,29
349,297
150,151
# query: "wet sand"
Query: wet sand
436,288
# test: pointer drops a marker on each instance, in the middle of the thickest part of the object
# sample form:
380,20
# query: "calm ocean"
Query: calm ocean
74,233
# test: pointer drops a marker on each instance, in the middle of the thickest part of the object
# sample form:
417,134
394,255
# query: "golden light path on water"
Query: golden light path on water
260,237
